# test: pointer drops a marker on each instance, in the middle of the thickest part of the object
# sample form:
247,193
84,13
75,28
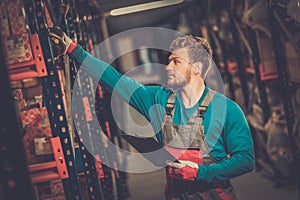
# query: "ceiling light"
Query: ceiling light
143,7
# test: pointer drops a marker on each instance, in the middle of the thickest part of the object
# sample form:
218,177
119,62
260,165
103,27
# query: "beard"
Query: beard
178,81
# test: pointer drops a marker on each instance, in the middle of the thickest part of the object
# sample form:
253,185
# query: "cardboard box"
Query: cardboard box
51,190
15,34
4,20
30,82
17,48
56,187
268,69
293,62
19,98
16,84
17,17
31,92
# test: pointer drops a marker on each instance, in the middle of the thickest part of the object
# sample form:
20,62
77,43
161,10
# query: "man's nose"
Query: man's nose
168,67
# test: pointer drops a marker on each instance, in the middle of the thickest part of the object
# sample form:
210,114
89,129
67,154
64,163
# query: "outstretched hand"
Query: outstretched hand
59,40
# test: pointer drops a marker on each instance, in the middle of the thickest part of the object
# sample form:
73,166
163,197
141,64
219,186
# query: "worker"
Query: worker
206,131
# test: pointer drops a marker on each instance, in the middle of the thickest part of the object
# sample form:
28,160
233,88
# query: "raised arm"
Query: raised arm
137,95
134,93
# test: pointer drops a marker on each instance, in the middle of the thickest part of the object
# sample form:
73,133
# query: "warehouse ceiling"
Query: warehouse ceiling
147,17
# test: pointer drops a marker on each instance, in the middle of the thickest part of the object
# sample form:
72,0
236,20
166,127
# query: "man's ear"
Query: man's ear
197,67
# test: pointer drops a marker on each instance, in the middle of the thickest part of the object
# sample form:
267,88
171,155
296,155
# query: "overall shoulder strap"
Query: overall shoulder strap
206,101
170,104
207,157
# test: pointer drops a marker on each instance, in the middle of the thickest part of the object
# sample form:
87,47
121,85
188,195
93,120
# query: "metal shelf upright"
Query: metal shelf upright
54,100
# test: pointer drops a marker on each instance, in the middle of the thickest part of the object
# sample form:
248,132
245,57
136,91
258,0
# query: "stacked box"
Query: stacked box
56,187
51,190
4,20
268,69
15,35
37,135
19,98
17,17
293,61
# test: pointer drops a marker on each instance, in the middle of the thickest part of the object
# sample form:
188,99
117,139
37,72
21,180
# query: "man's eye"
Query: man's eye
176,61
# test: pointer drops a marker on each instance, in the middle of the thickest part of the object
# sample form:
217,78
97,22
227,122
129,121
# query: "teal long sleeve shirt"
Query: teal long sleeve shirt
226,130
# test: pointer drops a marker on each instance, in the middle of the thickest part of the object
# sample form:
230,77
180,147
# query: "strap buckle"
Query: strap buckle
169,108
201,111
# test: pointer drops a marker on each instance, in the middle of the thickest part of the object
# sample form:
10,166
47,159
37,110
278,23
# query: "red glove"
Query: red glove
185,170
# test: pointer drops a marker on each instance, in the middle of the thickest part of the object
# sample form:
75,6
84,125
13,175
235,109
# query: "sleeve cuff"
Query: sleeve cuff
201,172
71,47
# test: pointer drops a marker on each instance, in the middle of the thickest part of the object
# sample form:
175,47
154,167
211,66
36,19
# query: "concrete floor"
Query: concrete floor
251,186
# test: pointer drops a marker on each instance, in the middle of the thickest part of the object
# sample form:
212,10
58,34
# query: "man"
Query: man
203,129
